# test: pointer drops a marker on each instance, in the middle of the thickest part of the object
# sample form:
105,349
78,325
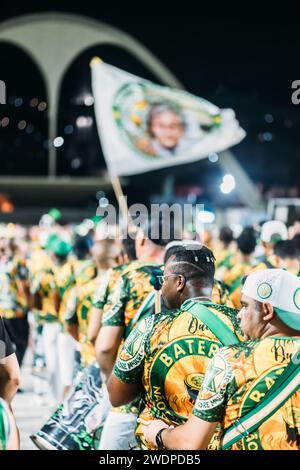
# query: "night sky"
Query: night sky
246,62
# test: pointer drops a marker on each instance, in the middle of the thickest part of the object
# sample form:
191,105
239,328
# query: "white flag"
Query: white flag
144,126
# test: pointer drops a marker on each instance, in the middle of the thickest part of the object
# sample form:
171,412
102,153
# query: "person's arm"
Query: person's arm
99,300
125,383
209,410
112,328
35,301
10,377
121,393
107,345
9,366
94,324
195,434
70,316
73,330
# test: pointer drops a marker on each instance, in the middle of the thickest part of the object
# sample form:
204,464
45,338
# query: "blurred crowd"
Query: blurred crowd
126,334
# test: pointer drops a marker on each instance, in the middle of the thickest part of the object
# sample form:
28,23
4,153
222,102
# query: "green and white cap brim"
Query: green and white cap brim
273,230
279,288
290,319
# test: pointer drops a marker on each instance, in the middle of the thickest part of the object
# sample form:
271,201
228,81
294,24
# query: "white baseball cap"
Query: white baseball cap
279,288
273,231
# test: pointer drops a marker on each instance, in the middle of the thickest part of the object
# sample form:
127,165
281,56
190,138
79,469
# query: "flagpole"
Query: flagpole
115,180
121,199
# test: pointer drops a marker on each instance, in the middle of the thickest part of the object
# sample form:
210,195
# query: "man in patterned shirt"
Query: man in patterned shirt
166,355
241,377
131,290
271,232
79,305
287,256
129,293
242,264
102,299
14,296
46,301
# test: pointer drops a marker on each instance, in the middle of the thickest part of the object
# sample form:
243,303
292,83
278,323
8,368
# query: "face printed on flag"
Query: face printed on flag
158,122
144,126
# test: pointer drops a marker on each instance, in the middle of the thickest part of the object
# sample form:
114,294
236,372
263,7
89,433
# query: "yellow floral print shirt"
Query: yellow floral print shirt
237,379
167,354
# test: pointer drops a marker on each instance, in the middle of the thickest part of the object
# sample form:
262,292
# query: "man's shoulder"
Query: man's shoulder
139,267
137,273
219,310
239,353
227,315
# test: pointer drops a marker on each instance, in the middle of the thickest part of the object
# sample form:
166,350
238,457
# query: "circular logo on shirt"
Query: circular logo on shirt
296,298
264,290
132,352
176,374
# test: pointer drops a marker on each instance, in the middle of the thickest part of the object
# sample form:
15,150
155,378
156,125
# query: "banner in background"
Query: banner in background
144,126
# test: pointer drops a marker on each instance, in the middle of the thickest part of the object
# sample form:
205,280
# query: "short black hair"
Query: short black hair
82,246
296,240
61,258
128,245
170,250
247,240
286,249
226,235
195,262
161,231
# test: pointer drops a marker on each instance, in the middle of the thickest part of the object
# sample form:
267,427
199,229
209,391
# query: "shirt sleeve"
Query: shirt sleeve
218,384
102,291
113,315
35,285
71,308
6,345
129,366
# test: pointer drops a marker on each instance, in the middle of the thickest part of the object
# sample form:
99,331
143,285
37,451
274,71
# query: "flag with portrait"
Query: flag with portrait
144,126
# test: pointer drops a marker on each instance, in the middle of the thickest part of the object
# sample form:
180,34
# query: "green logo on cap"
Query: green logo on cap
264,290
296,298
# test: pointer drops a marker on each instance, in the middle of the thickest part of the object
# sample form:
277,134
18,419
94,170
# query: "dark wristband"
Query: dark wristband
158,439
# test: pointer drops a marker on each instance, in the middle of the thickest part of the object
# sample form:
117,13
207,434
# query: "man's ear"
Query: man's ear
276,260
268,312
180,283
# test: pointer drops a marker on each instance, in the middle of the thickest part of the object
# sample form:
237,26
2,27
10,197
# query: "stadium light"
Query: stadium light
228,184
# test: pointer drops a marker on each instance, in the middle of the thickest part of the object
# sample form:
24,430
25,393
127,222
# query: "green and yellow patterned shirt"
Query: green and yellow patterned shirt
167,355
128,293
78,311
13,301
237,378
71,274
122,294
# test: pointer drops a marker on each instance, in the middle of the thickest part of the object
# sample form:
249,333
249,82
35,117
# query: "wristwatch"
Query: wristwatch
158,439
